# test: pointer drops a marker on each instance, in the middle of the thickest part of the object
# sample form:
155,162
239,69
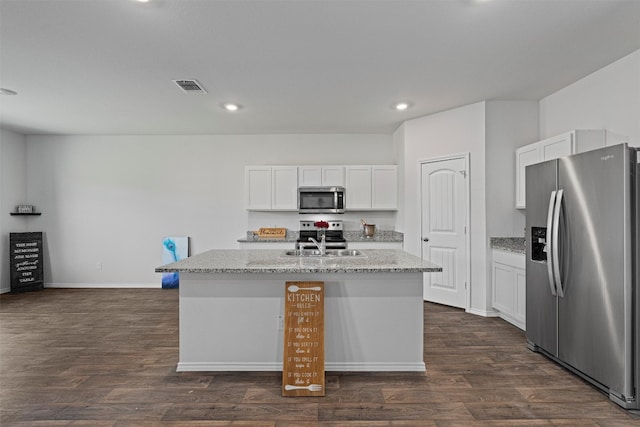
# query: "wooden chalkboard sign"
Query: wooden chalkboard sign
303,364
25,252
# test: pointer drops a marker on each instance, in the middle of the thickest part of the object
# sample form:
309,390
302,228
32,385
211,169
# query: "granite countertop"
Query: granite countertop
350,236
252,237
378,236
274,261
509,244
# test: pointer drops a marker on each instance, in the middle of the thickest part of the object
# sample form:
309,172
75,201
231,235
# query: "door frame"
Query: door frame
466,156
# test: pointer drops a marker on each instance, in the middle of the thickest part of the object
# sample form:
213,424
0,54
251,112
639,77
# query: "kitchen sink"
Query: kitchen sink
328,253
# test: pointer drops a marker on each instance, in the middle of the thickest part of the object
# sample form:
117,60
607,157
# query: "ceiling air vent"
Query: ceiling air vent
190,86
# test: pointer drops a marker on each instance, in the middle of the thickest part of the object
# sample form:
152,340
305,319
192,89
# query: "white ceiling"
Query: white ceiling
297,66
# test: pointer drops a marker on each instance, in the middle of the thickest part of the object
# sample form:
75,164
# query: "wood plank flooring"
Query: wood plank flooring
107,357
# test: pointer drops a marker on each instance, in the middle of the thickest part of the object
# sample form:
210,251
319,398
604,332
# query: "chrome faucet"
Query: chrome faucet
322,246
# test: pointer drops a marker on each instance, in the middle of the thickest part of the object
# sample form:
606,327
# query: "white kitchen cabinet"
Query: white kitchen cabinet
371,187
521,296
284,188
525,156
257,182
509,286
271,188
358,187
333,176
548,149
326,176
575,141
384,187
276,187
556,147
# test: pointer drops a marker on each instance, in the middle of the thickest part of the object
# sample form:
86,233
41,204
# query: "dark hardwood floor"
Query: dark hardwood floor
107,358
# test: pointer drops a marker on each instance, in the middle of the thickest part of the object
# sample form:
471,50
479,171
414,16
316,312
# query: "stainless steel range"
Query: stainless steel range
334,235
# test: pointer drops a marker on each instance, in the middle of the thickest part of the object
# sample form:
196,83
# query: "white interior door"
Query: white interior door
444,212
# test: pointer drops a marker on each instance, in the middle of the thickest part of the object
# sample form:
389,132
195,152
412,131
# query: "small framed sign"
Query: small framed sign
25,252
303,364
25,209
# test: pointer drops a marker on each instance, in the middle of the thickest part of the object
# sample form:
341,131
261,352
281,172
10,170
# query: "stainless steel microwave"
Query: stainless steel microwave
321,200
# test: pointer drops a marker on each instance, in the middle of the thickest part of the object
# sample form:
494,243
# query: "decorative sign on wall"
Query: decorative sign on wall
25,252
303,364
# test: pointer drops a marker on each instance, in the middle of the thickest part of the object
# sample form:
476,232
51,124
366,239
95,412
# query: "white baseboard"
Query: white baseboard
273,366
94,286
103,285
231,366
483,313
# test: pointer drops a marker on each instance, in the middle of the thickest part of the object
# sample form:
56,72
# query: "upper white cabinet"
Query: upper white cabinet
525,156
284,188
276,187
548,149
257,183
576,141
358,187
557,146
271,188
371,187
384,187
326,176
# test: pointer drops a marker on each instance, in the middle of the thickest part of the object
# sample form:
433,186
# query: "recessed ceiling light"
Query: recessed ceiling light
231,106
401,106
4,91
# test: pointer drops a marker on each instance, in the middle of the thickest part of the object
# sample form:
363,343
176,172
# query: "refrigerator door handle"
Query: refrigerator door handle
555,252
549,245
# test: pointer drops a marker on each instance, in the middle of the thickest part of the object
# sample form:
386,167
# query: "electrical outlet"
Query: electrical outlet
280,322
99,265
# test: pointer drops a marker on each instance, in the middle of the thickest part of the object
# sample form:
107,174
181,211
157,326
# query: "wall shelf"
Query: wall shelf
25,214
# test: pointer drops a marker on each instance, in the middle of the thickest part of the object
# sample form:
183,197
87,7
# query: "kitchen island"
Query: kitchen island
232,309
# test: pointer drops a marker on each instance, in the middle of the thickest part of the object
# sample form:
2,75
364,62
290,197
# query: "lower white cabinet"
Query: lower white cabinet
509,287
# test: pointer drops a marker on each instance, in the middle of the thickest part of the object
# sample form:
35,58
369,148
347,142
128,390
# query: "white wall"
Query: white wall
13,191
399,159
509,125
111,199
457,131
490,131
608,98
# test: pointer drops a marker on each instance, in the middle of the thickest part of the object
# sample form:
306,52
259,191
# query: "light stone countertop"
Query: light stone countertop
378,236
509,244
350,236
274,261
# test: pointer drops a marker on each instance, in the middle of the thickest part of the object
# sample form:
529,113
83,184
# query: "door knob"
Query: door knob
426,239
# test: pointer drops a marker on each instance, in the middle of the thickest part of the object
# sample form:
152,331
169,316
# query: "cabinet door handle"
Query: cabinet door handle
425,239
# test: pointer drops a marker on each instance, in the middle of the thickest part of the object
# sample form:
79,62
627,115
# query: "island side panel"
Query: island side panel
230,322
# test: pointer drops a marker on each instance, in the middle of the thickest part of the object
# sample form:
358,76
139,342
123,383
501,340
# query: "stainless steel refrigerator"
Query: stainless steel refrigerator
582,267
